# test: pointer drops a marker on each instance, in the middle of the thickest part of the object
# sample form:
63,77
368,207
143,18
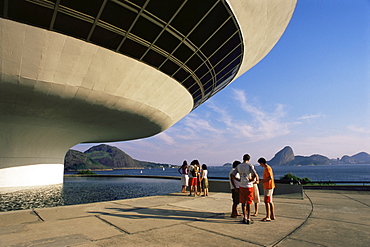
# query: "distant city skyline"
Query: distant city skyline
311,92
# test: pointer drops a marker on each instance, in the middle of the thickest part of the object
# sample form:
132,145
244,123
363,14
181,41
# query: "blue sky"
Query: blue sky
311,92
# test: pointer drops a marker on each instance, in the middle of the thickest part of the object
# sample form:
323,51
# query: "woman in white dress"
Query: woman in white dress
183,170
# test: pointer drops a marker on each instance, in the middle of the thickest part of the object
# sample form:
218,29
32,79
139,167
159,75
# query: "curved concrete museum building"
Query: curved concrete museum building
114,70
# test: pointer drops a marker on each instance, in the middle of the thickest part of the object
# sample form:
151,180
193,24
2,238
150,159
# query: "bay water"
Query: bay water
79,190
341,172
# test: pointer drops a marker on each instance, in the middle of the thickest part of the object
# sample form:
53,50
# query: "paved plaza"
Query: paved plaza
322,218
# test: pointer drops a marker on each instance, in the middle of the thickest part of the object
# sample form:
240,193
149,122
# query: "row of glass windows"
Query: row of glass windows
198,43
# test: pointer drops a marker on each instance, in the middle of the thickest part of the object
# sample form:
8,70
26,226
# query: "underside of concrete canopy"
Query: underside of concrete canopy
73,72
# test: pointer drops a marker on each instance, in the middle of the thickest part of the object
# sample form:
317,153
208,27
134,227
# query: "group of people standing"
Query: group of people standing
243,182
195,176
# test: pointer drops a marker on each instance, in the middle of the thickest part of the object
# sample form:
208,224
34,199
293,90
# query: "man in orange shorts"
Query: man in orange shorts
268,187
247,175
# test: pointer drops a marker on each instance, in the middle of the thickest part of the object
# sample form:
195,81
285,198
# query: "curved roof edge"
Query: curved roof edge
262,23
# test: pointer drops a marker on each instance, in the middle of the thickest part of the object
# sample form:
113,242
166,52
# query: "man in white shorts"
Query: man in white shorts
268,187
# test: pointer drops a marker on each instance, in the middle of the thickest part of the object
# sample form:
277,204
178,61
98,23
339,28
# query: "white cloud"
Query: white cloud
224,116
214,128
166,138
305,117
264,125
196,123
358,129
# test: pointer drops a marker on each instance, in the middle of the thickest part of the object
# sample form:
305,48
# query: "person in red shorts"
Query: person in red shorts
247,177
193,177
268,187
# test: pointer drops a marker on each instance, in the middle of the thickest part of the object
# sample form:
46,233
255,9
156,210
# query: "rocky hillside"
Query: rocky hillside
111,157
104,157
76,161
282,157
286,157
315,159
360,158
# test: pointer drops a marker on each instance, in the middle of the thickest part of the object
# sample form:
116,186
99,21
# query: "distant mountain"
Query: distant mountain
112,157
360,158
315,159
75,160
286,157
104,157
227,165
282,157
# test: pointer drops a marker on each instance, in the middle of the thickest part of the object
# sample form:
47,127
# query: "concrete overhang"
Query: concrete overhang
57,91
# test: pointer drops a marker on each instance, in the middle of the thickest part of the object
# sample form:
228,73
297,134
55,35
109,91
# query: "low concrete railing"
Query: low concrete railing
293,190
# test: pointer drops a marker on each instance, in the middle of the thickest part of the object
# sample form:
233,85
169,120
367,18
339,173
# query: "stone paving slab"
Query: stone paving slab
332,219
17,218
73,211
83,229
323,232
253,234
291,209
336,220
180,235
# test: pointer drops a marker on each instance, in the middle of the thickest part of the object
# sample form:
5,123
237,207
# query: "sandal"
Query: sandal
266,219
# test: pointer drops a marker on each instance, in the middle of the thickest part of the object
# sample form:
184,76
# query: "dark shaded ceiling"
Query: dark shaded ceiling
196,42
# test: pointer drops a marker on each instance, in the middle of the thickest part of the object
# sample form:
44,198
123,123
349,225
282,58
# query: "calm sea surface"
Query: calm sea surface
79,190
341,172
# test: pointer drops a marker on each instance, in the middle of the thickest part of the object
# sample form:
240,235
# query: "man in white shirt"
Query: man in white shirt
247,175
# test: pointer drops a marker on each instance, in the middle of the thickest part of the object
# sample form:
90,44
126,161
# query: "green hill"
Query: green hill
76,161
104,157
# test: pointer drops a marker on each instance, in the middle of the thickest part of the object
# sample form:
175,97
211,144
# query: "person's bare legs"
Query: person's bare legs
255,209
272,211
267,206
191,189
205,192
234,210
244,211
268,209
248,211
